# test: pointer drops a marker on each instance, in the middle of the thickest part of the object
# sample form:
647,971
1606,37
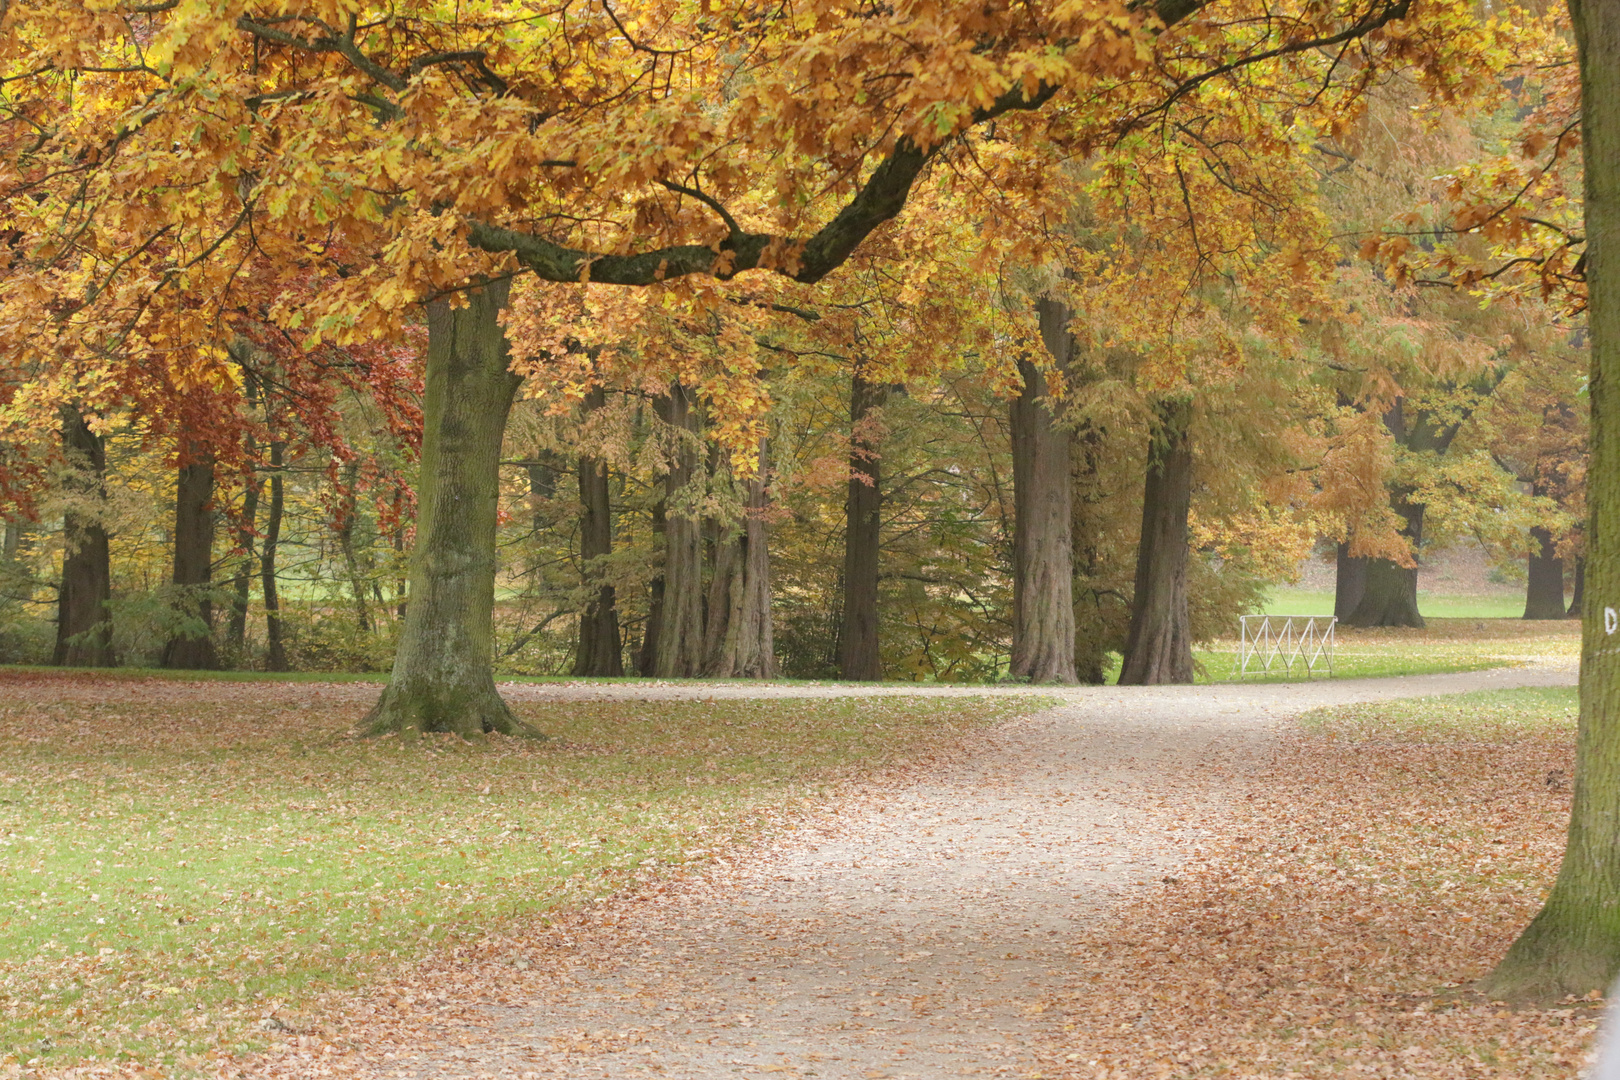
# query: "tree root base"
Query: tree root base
419,710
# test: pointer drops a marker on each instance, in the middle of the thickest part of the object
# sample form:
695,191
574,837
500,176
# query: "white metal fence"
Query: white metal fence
1269,642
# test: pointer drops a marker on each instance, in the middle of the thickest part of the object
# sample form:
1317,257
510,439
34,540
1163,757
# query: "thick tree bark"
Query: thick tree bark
1086,506
600,649
1573,945
747,649
275,658
192,646
858,655
647,656
724,545
1544,591
83,621
443,677
680,637
1577,593
1349,581
1043,541
1389,590
1159,648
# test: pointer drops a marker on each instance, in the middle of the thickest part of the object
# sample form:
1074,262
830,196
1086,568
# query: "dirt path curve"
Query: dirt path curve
913,932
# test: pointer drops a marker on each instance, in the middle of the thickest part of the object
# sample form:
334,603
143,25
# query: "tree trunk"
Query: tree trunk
349,511
1544,592
1389,590
83,622
647,657
241,585
1159,647
748,649
275,658
725,574
1573,945
600,651
1349,581
1086,505
858,655
236,633
192,645
1578,590
1043,543
1389,595
680,637
443,677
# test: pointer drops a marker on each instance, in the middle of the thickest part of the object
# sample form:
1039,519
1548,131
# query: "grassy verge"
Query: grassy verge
1502,605
1444,645
182,861
1380,863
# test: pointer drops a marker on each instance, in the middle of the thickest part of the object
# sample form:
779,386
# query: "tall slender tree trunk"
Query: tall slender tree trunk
192,645
680,637
1577,593
1043,543
1389,590
236,631
1090,643
1159,648
1544,591
600,650
247,527
275,658
443,677
1573,945
349,511
858,656
83,621
647,657
1349,580
747,650
399,552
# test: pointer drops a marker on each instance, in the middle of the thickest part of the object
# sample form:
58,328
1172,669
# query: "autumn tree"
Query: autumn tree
445,152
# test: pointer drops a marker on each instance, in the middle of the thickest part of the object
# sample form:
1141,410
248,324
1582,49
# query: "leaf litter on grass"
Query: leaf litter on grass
189,866
1379,864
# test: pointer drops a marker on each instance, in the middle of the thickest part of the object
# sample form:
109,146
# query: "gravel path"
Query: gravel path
908,933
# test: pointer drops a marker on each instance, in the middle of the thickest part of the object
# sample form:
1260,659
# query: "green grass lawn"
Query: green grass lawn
179,863
1445,644
1492,715
1506,605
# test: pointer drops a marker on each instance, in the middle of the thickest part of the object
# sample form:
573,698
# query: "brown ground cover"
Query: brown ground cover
1375,866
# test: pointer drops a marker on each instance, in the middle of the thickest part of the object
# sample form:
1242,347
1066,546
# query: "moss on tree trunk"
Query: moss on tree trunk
443,678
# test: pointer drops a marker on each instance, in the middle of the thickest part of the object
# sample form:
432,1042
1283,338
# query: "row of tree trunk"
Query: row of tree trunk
84,618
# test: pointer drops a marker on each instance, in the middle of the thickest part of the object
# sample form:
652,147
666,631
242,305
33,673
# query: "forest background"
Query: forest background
259,513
